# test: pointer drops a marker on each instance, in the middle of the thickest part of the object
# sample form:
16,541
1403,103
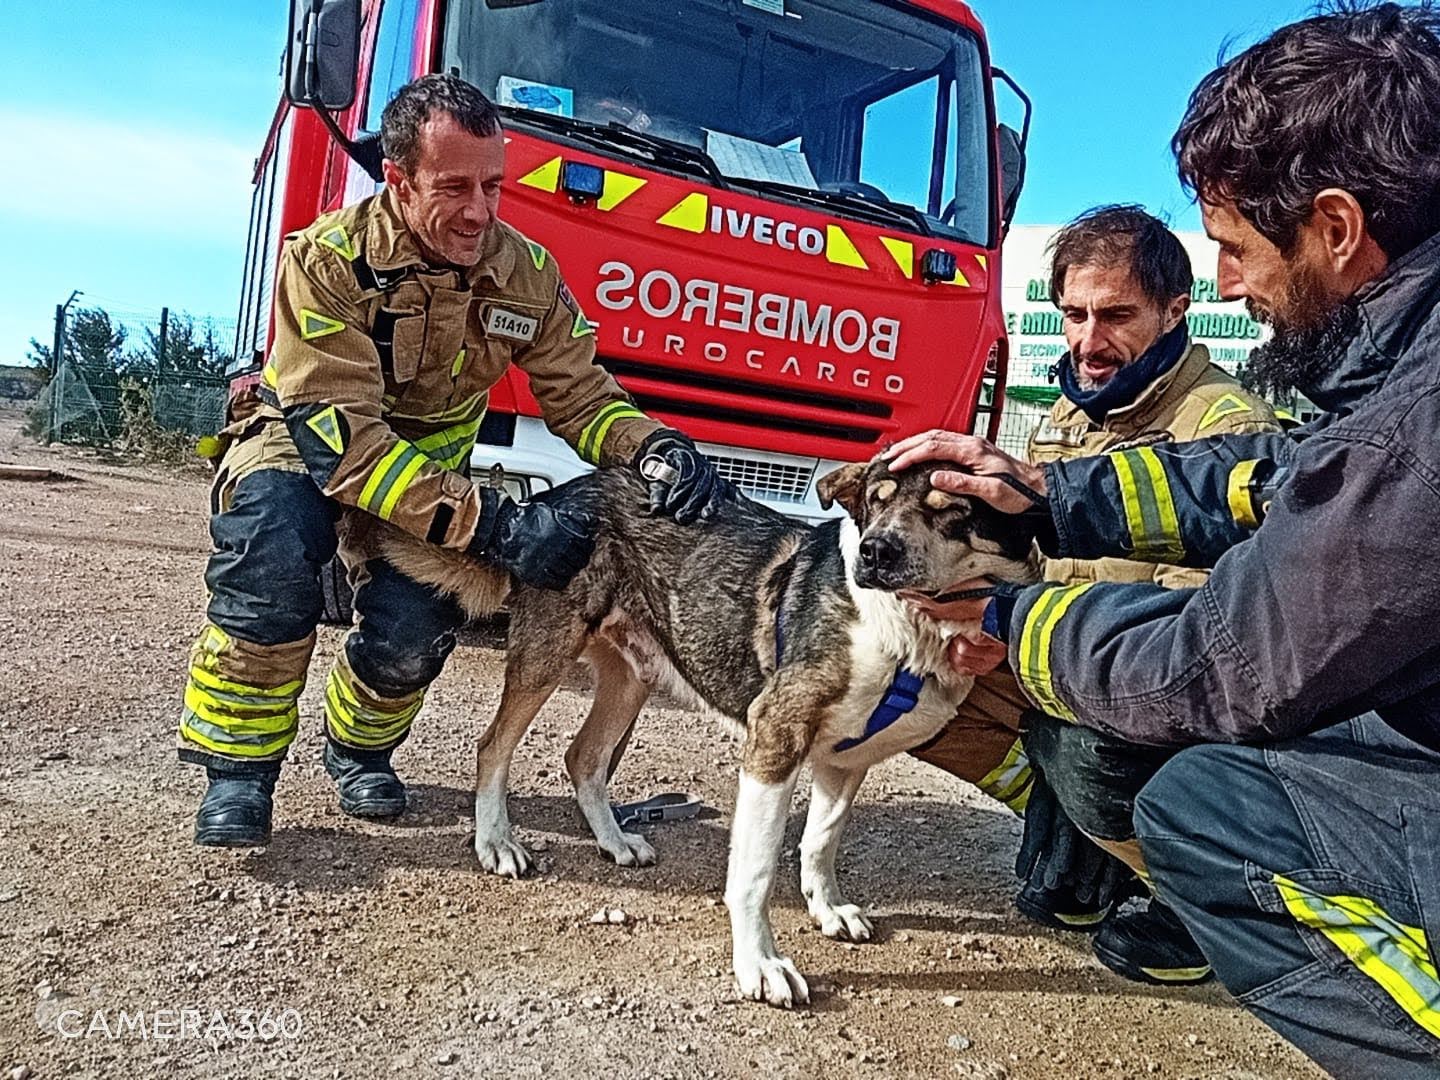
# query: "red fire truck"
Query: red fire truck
783,216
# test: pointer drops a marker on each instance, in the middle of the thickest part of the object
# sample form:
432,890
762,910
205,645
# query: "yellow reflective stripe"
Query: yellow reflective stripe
1394,955
1184,974
587,435
451,446
1021,802
1149,507
389,479
1011,780
458,364
208,736
208,680
1035,639
455,460
1237,493
270,717
442,440
361,725
398,487
592,438
464,411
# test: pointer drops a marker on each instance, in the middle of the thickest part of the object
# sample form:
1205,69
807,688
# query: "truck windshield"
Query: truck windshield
867,100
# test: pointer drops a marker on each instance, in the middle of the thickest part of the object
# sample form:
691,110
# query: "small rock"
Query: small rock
540,845
958,1042
617,917
20,1072
53,931
55,755
446,1057
950,1001
601,916
8,895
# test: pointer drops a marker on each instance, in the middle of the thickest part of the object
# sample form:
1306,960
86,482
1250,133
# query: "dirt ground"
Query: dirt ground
378,949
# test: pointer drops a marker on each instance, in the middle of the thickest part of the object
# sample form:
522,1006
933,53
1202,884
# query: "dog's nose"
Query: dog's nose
881,552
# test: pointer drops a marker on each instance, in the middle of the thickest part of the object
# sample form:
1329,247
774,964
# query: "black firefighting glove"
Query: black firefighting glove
541,545
683,483
1055,855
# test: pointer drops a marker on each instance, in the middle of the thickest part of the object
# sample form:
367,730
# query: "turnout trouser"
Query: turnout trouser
982,743
1307,871
273,530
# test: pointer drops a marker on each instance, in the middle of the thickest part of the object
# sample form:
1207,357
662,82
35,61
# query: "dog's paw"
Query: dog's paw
502,855
773,980
843,922
634,851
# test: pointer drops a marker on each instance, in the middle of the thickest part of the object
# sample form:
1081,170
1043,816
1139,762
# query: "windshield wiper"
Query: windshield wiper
886,213
613,136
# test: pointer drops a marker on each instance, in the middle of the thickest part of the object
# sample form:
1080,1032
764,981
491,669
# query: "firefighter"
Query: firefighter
1295,826
393,319
1121,281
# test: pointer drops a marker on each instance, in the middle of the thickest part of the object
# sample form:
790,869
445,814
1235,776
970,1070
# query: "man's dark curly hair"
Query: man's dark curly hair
1348,99
1122,235
414,104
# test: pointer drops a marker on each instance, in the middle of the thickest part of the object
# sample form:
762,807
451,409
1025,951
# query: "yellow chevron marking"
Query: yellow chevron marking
338,240
618,188
903,252
314,325
689,214
841,250
546,177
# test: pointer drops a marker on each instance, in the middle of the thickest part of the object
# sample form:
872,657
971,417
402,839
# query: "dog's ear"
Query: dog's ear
846,485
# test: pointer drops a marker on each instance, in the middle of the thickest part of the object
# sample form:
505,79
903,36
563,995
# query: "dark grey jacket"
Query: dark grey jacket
1329,608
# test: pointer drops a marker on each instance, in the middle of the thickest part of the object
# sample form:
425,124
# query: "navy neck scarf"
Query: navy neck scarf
1129,382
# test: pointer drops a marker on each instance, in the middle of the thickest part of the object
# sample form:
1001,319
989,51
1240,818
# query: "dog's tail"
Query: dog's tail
479,588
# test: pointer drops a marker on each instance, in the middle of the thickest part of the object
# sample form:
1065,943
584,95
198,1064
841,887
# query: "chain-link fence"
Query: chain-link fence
129,377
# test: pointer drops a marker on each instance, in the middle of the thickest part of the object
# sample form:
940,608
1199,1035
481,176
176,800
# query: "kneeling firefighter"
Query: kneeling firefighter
393,319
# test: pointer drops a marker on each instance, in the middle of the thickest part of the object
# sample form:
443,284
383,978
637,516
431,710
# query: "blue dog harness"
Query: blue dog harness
900,697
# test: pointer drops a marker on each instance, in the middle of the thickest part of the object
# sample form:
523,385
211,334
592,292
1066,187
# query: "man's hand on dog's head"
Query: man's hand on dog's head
982,469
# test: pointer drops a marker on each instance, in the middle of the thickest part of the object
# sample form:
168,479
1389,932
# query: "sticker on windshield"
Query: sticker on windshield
537,97
774,7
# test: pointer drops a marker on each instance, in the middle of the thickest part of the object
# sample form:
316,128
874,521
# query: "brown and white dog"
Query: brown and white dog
794,631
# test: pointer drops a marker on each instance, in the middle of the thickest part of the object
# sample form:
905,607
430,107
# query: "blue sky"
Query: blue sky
128,132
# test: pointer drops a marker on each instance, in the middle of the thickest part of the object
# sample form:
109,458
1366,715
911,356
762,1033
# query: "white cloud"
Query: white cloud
102,176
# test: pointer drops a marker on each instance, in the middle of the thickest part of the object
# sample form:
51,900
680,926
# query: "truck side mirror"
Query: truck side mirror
322,53
1012,172
1012,145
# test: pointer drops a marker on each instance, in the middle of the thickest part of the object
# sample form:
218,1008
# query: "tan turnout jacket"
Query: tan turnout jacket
388,362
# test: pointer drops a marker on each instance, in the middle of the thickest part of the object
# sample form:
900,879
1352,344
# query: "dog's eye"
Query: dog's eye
943,500
955,525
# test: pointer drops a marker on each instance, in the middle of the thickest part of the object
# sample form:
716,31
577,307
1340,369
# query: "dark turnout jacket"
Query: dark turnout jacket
1327,609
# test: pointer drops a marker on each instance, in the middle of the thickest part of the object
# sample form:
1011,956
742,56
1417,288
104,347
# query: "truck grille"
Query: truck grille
766,479
743,404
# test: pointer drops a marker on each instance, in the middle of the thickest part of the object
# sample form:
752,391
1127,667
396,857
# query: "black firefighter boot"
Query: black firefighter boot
1151,945
366,780
235,811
